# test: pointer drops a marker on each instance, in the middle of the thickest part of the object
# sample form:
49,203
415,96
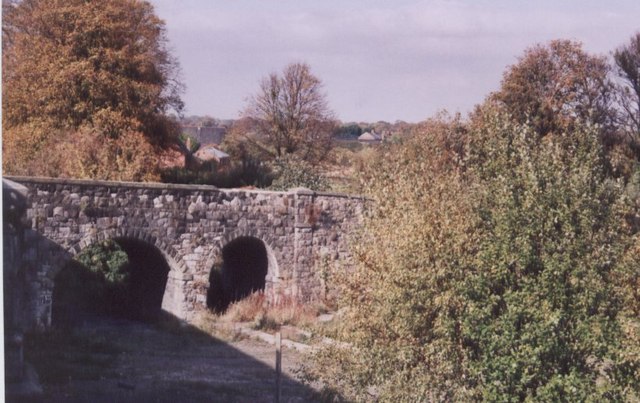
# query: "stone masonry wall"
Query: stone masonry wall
303,231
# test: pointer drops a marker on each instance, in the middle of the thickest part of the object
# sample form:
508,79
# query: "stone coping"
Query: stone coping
171,186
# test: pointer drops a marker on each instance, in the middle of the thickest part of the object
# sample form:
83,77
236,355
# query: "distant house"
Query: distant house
211,153
370,138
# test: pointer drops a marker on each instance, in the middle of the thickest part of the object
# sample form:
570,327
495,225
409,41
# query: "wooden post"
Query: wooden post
278,366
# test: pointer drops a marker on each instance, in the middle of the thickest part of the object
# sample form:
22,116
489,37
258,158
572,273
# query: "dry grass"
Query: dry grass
245,310
255,308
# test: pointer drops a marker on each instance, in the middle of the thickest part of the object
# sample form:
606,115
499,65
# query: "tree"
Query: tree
248,153
81,71
552,86
495,271
401,302
545,317
292,115
627,63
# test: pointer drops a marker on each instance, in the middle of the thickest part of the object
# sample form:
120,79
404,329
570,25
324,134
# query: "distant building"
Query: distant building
205,134
210,152
370,138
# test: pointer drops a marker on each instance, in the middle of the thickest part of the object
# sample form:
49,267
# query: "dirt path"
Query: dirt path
124,361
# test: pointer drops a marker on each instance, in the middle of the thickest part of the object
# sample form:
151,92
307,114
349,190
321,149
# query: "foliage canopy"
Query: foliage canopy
81,73
291,114
627,64
554,85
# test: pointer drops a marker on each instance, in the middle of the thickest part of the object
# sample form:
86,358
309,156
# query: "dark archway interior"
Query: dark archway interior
244,269
80,293
148,272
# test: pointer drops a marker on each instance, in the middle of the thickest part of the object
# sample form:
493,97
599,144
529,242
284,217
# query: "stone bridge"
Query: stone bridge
288,239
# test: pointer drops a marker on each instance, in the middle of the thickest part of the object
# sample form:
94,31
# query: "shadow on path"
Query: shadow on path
116,360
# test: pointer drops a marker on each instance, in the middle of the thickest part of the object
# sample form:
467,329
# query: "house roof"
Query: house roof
210,152
367,136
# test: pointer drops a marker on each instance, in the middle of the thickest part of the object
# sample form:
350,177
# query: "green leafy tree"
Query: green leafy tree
544,318
107,260
292,172
96,281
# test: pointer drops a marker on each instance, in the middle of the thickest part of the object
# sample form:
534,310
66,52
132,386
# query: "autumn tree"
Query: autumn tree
555,85
86,74
292,115
627,64
494,265
401,304
248,153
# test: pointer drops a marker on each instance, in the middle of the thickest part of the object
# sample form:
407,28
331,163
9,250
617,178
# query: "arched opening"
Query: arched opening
148,273
242,271
123,278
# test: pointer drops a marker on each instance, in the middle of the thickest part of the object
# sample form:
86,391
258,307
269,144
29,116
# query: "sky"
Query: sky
378,60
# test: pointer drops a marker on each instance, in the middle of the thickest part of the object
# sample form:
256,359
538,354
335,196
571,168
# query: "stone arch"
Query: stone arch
254,240
273,271
167,251
173,300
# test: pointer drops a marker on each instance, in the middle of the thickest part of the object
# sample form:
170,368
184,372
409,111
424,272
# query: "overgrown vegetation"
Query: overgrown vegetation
264,316
499,262
292,172
210,173
96,282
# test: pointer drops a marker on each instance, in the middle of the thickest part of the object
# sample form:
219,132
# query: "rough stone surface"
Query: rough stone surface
303,232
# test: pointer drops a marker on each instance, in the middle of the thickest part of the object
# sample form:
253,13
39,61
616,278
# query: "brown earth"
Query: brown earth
126,361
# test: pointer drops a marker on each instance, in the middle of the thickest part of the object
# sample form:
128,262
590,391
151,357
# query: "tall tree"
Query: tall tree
292,114
552,86
627,63
79,71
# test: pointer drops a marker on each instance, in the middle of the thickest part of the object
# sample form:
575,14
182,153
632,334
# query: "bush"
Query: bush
498,270
292,172
96,282
209,173
543,314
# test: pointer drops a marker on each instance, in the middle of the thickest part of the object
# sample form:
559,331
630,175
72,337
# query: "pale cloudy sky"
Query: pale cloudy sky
378,60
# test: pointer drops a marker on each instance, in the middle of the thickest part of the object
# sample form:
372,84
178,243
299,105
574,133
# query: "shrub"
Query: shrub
543,312
94,283
499,270
292,172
